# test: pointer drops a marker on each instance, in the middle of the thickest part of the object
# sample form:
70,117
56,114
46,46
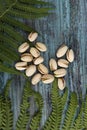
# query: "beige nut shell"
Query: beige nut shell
63,63
36,79
38,60
23,47
62,51
61,83
47,78
30,70
35,53
70,55
42,69
32,36
26,57
60,72
21,65
52,64
41,46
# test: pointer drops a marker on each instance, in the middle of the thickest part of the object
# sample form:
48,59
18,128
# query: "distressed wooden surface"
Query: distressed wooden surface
68,24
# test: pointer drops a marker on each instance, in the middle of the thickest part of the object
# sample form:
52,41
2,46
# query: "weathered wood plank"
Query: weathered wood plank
67,24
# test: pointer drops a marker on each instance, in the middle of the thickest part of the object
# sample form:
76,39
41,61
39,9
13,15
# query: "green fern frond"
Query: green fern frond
7,117
1,109
64,101
64,97
78,124
85,113
57,106
54,120
24,113
23,119
57,120
70,112
35,122
11,26
79,119
29,92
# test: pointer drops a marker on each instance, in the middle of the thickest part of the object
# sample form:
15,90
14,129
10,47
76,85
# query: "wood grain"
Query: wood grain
67,24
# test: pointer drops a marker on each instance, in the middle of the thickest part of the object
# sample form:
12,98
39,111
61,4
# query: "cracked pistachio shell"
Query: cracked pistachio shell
26,57
21,65
47,78
60,72
41,46
23,47
42,69
61,83
38,60
52,64
70,55
35,53
30,70
32,36
36,79
63,63
62,51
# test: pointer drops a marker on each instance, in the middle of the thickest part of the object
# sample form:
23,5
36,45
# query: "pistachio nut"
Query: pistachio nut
34,52
42,69
30,70
63,63
52,64
23,47
26,57
47,78
36,79
41,47
60,72
38,60
61,83
32,36
62,51
21,65
70,55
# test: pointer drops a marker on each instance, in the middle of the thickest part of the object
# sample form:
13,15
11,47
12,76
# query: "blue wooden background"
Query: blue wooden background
67,24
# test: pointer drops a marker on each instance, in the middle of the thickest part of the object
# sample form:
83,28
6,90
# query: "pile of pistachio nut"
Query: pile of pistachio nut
32,62
64,57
